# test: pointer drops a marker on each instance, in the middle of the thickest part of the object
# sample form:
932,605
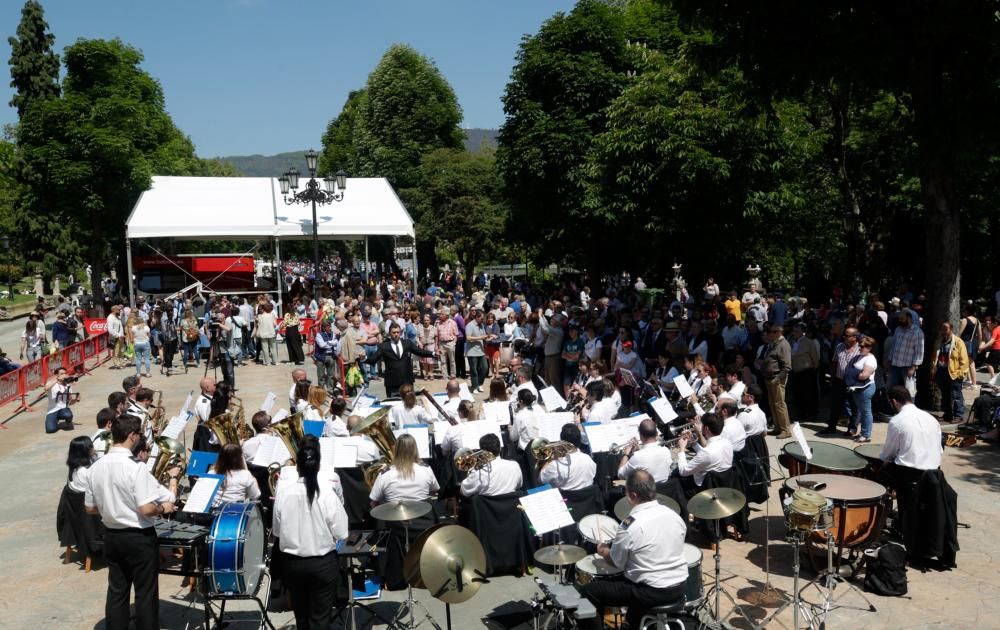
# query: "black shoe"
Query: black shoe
828,432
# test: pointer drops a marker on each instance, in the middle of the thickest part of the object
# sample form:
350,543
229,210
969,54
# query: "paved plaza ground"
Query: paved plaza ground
42,592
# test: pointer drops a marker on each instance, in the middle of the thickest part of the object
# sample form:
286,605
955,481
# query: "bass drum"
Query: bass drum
235,555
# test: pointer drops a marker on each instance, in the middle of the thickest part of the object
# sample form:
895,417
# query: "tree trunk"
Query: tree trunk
427,256
96,275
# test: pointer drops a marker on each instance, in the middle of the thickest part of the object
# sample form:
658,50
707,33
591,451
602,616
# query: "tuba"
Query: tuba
376,428
158,415
545,451
224,428
243,429
171,454
468,460
290,430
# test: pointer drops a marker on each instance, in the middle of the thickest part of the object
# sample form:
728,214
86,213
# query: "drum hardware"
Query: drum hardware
560,602
623,508
799,607
450,562
359,544
597,528
712,505
826,458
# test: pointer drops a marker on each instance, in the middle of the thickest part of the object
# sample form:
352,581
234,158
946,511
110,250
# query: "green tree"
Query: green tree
88,155
339,150
34,67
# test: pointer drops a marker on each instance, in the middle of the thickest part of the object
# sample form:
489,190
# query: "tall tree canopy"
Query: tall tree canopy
34,67
339,151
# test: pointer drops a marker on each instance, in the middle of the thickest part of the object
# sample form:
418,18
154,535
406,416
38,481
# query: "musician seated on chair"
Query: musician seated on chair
328,477
118,402
451,441
500,476
238,484
409,412
648,456
298,374
600,405
574,471
301,391
333,422
367,451
205,439
451,404
131,385
524,428
733,386
143,401
649,547
713,453
407,479
260,421
732,428
751,416
522,381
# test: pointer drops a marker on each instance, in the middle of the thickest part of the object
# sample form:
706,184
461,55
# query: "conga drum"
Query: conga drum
871,454
826,458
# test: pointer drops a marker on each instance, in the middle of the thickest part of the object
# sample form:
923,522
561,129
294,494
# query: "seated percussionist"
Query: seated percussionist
500,476
649,455
574,471
407,479
713,453
649,547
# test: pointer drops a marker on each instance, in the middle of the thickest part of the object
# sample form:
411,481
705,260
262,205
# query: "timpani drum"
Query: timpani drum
826,458
871,454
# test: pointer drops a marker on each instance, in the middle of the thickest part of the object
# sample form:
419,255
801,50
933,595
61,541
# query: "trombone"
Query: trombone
545,451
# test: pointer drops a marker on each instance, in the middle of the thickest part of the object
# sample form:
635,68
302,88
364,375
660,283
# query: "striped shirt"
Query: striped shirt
908,347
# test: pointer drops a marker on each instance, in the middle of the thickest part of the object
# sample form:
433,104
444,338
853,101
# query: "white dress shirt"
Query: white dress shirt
913,439
391,486
327,478
649,546
367,451
451,441
250,448
576,471
451,406
239,485
401,416
118,486
717,456
100,444
292,398
651,457
735,392
335,427
733,431
603,411
753,419
501,476
203,407
525,426
78,482
308,529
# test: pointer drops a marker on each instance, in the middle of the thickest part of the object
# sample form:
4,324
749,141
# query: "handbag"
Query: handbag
43,346
129,351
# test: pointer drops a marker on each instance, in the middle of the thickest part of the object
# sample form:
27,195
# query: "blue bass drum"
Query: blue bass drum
235,550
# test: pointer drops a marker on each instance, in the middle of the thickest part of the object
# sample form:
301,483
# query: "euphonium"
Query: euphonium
376,427
242,428
171,454
467,459
546,451
158,415
224,428
290,430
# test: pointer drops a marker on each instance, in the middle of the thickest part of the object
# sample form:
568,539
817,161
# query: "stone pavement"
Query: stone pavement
40,591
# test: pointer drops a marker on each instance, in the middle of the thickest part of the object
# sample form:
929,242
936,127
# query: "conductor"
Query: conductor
395,352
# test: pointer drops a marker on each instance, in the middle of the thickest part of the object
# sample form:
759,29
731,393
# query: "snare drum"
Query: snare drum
598,528
871,454
235,550
858,508
826,458
694,589
594,567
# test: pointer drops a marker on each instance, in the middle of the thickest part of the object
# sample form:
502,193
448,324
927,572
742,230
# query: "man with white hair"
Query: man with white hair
447,334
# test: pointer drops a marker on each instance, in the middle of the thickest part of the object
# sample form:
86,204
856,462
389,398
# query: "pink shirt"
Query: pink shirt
371,331
447,330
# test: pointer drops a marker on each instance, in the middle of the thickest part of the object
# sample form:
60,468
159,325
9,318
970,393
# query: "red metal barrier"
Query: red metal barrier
18,383
10,386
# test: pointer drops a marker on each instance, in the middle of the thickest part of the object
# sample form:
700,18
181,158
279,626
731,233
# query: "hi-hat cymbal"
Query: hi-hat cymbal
400,510
559,555
716,503
411,562
452,564
623,508
377,415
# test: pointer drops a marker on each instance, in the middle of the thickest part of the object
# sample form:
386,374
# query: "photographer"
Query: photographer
219,331
60,398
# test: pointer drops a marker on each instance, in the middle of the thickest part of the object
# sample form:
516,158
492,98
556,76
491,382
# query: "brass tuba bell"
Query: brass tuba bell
171,454
224,428
545,451
290,430
376,427
467,459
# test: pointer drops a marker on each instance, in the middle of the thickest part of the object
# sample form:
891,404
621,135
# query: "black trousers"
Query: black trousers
638,597
460,371
805,391
169,350
312,584
133,560
293,342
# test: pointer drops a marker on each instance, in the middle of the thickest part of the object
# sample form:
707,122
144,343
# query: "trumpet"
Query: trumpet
624,449
545,451
676,431
468,460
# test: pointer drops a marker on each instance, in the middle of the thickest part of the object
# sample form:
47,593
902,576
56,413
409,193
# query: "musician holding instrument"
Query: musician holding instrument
367,450
525,425
409,412
600,405
308,523
102,438
298,375
204,438
492,476
260,421
127,497
333,421
407,479
238,484
732,428
573,471
713,453
751,415
649,547
451,441
647,455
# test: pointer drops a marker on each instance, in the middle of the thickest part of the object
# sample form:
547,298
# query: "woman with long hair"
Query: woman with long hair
308,522
32,338
302,396
525,425
75,527
498,391
220,399
315,400
409,412
293,340
238,484
408,479
81,456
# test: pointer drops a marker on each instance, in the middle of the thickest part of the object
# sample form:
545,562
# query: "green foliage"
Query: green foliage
339,150
34,67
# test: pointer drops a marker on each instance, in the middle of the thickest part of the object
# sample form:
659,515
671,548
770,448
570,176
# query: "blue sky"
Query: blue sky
264,76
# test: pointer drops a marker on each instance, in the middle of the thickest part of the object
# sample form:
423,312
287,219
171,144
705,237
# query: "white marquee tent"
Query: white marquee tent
253,208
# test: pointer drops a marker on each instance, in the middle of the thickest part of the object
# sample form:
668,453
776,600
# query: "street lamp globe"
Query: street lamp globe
311,158
283,182
293,178
341,180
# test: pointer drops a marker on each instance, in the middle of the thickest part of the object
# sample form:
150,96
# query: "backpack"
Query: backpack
886,571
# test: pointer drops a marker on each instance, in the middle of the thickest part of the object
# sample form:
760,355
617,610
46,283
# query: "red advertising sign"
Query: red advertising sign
95,326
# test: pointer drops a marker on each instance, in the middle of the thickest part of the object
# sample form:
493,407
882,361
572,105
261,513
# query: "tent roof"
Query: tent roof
252,207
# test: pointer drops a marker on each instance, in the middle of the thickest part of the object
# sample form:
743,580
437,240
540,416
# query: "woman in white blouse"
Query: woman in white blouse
409,412
81,456
238,484
525,425
408,479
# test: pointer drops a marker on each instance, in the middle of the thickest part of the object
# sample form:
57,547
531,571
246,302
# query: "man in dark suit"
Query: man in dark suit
395,352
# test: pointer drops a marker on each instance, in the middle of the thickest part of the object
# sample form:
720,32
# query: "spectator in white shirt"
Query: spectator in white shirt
714,453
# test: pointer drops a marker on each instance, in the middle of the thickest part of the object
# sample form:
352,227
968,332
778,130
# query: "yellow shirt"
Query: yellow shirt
733,307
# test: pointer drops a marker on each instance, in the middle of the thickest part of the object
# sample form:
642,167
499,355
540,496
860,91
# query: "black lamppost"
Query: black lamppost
313,194
5,242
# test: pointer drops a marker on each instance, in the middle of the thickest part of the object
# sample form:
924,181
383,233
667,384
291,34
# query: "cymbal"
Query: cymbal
716,503
400,510
559,555
377,415
411,562
623,508
452,564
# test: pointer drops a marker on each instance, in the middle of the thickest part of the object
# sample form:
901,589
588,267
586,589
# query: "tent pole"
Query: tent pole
131,285
277,271
367,275
414,268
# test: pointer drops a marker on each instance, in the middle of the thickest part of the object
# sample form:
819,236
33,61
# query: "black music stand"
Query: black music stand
367,545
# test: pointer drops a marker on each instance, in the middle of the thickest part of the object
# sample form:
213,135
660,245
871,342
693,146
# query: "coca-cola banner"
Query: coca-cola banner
95,326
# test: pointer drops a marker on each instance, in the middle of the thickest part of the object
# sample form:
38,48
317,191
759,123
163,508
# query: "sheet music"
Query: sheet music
464,393
629,427
602,436
421,434
472,431
268,403
550,424
187,404
498,412
278,417
551,398
546,511
363,403
683,387
272,450
338,452
392,403
203,494
441,429
175,427
663,409
699,411
800,437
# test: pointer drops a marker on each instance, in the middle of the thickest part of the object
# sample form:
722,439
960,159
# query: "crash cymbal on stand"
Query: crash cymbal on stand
411,562
716,503
623,508
400,510
560,555
452,564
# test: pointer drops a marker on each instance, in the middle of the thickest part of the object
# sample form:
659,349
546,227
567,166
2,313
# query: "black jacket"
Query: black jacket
398,369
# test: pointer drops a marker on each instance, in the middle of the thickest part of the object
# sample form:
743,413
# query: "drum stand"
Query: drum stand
716,616
826,583
799,607
352,604
211,616
410,604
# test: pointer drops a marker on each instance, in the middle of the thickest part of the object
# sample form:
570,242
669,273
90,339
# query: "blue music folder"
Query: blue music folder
541,488
313,427
199,462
